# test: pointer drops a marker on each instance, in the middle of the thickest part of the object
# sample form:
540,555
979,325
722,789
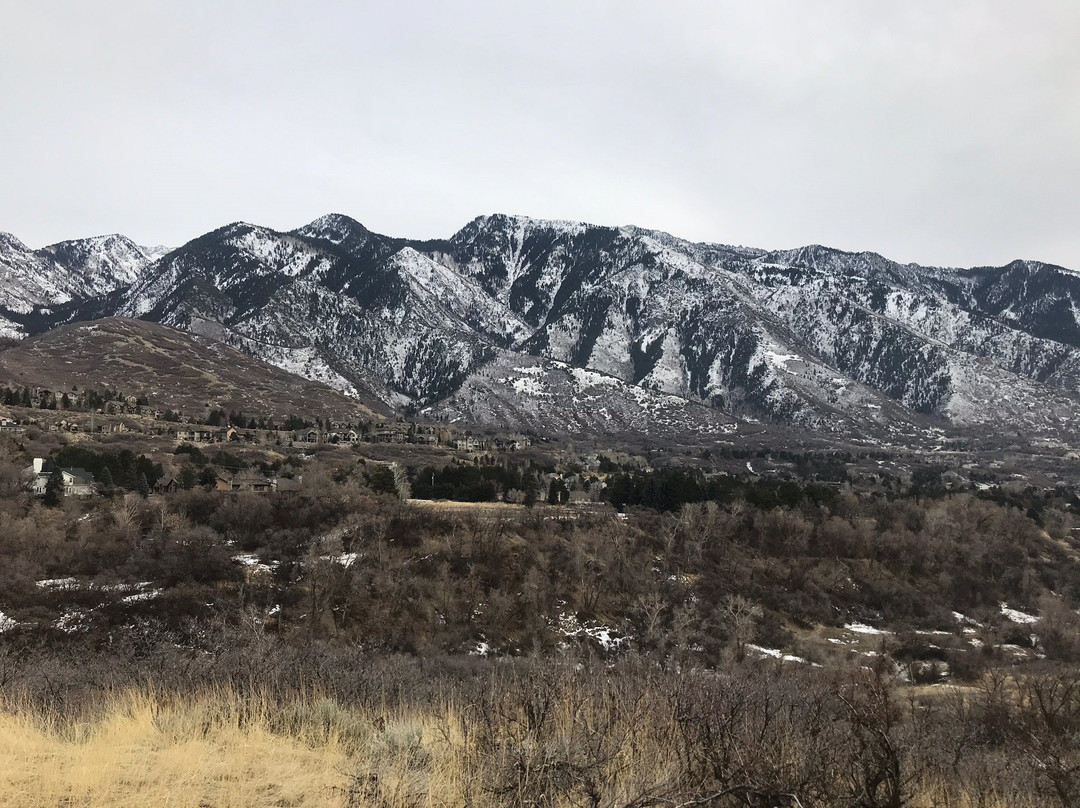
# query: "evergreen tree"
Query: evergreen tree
106,479
188,477
54,489
381,480
557,492
142,486
529,488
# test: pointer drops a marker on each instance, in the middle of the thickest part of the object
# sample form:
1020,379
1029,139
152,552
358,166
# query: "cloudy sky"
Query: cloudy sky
943,133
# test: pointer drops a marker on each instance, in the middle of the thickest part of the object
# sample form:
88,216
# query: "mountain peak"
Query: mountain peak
332,227
7,240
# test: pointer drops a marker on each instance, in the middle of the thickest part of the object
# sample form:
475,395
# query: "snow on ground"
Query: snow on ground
127,587
252,562
141,596
779,360
6,623
344,559
590,378
1017,616
607,637
308,363
60,584
73,621
482,648
529,386
775,654
79,585
862,628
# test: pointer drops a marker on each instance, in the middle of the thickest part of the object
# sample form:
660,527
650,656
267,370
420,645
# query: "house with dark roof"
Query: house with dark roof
245,480
77,482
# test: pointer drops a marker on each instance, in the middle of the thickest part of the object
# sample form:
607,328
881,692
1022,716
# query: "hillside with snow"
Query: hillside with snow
677,335
34,282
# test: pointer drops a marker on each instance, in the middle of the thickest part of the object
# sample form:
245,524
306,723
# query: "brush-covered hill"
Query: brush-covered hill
173,369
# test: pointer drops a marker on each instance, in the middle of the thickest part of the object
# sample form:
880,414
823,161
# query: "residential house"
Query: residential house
77,482
382,436
195,435
251,481
285,485
308,436
166,485
469,444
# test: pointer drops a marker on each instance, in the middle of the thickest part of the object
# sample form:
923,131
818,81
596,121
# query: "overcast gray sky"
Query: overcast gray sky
944,132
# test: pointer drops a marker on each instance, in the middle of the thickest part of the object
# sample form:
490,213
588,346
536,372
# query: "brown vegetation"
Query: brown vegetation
327,646
398,732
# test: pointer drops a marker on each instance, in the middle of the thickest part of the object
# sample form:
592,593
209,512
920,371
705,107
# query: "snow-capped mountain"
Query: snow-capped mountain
513,319
63,274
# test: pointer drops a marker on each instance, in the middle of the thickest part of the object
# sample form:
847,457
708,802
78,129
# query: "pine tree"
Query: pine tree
557,493
188,477
106,479
54,489
528,486
142,486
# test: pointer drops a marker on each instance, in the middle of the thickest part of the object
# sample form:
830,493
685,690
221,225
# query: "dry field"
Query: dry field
220,750
213,750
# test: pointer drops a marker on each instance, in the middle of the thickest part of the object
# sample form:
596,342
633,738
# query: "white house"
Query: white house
77,482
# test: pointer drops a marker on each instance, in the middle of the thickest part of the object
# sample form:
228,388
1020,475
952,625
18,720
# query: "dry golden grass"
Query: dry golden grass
466,507
211,750
219,749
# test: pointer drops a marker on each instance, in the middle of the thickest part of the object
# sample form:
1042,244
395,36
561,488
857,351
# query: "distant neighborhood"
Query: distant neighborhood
112,412
80,483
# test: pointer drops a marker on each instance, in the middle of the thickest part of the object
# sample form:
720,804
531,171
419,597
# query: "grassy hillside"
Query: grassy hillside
174,369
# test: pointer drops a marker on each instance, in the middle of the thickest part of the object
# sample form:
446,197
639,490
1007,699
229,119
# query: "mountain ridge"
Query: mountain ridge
815,337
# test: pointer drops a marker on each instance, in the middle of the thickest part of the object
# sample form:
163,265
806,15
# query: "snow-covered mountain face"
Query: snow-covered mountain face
63,275
813,336
495,323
